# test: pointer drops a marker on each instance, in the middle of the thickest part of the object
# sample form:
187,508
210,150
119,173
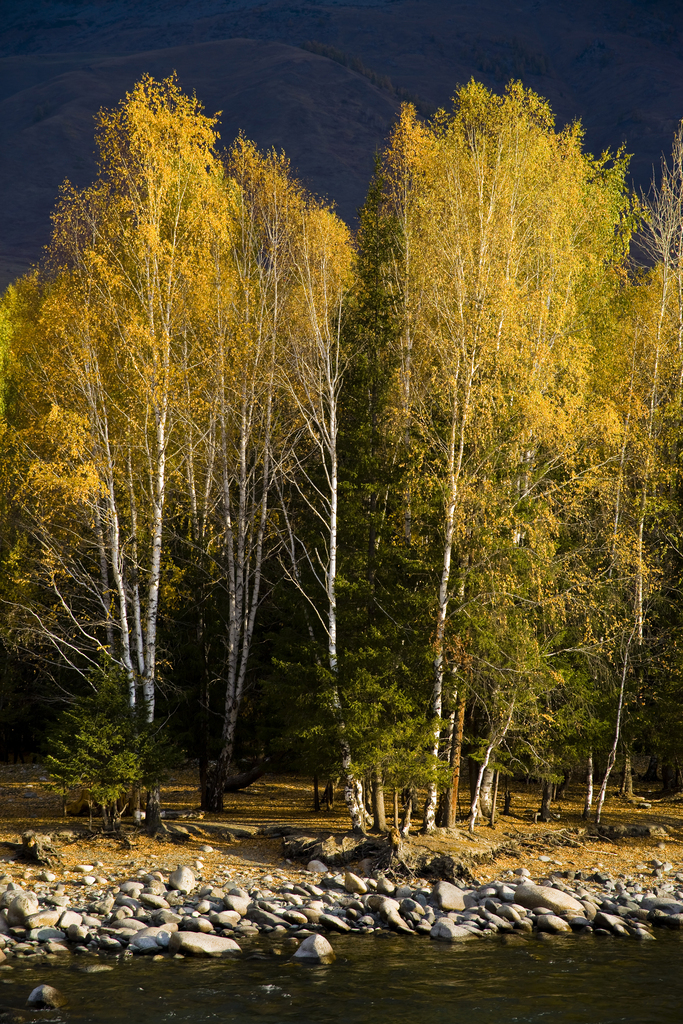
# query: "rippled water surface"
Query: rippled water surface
380,980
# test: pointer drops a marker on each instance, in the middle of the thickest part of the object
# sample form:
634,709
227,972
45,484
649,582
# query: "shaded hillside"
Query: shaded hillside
330,121
616,64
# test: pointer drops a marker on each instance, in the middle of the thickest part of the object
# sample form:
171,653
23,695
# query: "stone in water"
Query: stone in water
315,949
45,997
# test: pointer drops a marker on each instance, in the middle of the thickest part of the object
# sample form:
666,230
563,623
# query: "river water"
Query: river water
377,980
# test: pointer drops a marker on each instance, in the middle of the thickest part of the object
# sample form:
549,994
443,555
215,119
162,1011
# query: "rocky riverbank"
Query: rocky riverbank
162,914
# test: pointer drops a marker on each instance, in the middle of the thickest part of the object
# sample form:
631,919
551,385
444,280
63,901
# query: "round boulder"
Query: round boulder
445,930
45,997
535,896
182,879
317,866
236,903
352,883
552,923
315,949
448,897
200,944
21,908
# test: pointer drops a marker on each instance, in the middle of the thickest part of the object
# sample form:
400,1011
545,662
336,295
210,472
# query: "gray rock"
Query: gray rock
131,888
122,934
46,935
317,866
145,944
9,895
199,944
149,899
160,935
130,923
21,908
590,909
315,949
166,917
609,921
175,899
669,906
182,879
43,919
102,906
352,883
445,930
552,923
335,924
154,886
448,897
56,948
312,914
410,906
294,917
236,903
122,900
68,918
62,901
506,893
45,997
385,887
242,893
264,917
508,913
227,919
394,920
535,896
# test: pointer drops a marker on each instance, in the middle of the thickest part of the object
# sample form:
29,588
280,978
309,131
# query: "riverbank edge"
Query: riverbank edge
174,914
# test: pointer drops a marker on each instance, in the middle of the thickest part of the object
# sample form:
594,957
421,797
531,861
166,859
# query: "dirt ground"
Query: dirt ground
25,803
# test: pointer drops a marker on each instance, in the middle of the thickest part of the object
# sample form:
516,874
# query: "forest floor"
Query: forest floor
287,799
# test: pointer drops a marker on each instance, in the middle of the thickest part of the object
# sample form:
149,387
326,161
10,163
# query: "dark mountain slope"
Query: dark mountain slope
616,64
328,119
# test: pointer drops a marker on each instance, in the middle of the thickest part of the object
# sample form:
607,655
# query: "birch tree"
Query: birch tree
235,437
103,393
645,528
312,380
513,226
